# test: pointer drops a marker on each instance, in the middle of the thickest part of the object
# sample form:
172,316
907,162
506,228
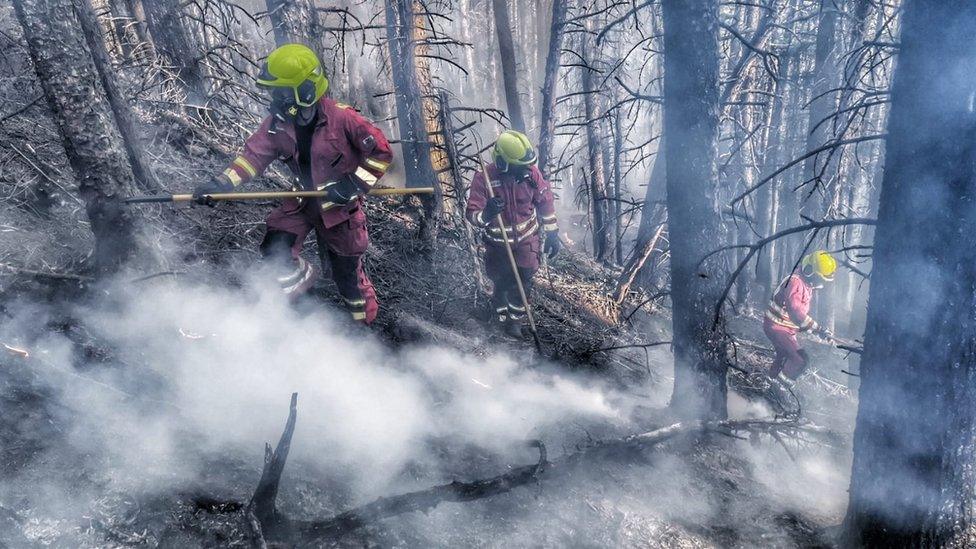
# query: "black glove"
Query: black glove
552,244
340,192
495,206
214,186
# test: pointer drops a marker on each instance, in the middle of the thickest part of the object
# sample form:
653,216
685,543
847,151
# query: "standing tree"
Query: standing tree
506,50
294,21
93,142
912,483
401,26
547,126
177,46
691,120
596,174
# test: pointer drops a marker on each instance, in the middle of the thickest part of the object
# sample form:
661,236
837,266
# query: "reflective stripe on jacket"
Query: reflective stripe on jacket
344,143
790,305
529,203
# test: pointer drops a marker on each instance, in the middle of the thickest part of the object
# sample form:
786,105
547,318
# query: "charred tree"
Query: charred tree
140,28
294,21
124,118
547,125
618,169
691,119
177,46
912,483
826,77
596,175
506,50
83,112
410,103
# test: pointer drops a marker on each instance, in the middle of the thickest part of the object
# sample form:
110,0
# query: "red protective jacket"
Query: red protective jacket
344,143
528,203
789,309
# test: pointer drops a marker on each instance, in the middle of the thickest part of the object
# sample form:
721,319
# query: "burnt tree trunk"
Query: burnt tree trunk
93,142
124,118
596,174
294,21
618,170
414,143
912,483
816,198
691,119
547,124
140,28
652,215
176,45
506,50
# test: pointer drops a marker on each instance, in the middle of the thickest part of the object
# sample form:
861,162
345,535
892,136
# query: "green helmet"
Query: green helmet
513,149
296,69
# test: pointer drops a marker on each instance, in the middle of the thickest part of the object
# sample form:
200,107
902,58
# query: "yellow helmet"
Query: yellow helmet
819,263
296,68
513,149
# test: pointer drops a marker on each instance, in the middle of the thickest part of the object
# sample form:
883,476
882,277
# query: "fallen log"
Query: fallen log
264,521
424,500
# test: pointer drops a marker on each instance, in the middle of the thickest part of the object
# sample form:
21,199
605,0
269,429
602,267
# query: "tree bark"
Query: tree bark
506,50
691,119
650,218
414,143
294,21
547,126
93,142
617,161
124,119
912,483
817,197
176,45
596,174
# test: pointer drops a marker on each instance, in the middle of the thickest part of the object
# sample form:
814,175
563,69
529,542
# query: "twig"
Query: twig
46,274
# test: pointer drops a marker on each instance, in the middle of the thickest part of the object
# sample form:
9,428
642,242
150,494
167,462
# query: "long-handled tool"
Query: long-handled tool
271,195
511,261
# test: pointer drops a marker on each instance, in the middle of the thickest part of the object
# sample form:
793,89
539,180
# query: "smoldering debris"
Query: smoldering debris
374,423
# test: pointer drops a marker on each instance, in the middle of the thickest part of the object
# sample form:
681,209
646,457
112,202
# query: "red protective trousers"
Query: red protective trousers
343,245
789,358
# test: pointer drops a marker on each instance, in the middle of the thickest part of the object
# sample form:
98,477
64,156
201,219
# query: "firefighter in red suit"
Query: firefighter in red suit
524,199
329,147
789,313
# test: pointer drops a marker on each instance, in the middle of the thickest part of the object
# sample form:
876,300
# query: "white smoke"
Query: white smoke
217,365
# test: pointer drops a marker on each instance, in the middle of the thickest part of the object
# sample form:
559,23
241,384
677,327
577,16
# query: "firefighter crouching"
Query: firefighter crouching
329,147
524,199
789,313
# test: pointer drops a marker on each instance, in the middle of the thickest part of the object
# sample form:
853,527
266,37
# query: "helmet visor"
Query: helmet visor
302,95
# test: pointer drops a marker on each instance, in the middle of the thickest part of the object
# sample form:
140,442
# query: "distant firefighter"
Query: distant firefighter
524,199
328,147
789,313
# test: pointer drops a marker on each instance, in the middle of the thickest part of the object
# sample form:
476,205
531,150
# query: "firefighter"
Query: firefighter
524,199
789,313
328,147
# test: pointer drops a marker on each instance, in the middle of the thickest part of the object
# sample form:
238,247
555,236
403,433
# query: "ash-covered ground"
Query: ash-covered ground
140,414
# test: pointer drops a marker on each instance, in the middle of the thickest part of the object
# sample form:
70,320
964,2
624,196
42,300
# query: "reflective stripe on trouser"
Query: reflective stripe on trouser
354,286
299,280
342,246
505,298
